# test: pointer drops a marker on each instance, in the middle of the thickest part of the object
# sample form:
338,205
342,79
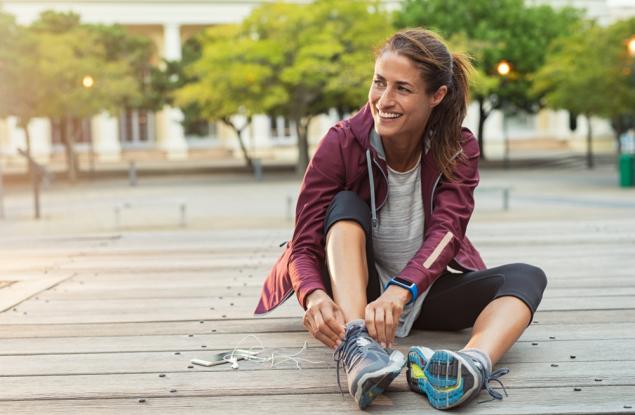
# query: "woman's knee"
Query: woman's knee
527,279
537,274
347,210
346,227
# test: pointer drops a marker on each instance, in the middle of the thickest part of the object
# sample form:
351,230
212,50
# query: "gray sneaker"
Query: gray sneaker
369,367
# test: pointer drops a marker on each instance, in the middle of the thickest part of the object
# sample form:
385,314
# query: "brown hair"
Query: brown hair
438,67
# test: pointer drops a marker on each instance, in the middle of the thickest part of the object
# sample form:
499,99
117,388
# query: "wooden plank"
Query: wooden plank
230,382
571,329
522,351
21,290
521,401
241,304
87,292
315,358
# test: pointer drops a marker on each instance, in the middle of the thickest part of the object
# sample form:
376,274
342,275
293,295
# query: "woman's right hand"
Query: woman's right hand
324,319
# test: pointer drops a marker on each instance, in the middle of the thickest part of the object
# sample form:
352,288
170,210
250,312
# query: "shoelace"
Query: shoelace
495,376
348,351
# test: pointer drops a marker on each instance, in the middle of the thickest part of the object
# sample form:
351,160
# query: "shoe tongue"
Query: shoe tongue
356,323
362,341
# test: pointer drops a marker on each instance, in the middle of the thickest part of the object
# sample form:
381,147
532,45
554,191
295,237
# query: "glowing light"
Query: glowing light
631,46
503,68
88,81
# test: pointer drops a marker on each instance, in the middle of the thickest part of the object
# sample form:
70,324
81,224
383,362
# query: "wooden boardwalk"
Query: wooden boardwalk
108,323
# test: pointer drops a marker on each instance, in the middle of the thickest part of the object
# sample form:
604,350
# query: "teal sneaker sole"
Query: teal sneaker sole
444,377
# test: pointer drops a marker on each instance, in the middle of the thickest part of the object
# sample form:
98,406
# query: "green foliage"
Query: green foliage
42,68
592,63
491,31
293,60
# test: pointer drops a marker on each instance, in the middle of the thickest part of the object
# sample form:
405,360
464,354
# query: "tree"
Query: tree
291,60
589,73
68,71
496,30
20,78
233,76
323,57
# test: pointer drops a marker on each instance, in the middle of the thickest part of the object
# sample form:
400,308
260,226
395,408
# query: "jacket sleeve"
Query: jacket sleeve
324,178
452,208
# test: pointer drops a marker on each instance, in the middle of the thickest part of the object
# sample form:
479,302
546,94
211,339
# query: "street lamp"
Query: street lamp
504,68
88,81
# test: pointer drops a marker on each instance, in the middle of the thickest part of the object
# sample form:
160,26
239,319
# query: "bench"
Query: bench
503,190
119,208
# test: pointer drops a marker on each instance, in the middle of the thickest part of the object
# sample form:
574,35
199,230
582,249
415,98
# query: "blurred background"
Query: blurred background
98,93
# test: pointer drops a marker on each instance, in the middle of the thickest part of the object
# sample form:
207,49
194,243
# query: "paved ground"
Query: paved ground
96,318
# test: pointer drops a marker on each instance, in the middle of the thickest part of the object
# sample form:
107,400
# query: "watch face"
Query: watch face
403,281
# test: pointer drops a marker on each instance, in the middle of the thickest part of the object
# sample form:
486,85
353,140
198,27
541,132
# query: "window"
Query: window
136,127
282,129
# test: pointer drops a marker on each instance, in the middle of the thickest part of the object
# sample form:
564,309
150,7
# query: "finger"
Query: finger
308,322
325,340
323,327
389,328
333,324
339,316
369,316
396,319
380,326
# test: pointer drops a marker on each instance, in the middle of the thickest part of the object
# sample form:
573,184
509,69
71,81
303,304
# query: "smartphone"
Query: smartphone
222,357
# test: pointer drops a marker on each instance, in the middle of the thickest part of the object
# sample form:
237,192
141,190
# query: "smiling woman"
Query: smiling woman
380,244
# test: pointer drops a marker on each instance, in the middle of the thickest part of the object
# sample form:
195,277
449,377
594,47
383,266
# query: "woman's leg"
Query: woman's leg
498,327
347,267
350,272
498,303
353,280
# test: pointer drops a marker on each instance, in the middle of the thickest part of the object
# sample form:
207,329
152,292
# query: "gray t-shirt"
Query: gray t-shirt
399,234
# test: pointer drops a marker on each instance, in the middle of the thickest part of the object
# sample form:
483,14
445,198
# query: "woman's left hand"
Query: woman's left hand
382,315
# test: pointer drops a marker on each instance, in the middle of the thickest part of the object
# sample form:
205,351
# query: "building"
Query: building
138,134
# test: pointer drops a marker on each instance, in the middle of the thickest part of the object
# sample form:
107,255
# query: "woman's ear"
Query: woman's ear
438,96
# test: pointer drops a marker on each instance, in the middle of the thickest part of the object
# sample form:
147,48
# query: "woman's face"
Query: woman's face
398,99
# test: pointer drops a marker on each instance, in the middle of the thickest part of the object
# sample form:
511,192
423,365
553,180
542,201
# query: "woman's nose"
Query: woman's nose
385,99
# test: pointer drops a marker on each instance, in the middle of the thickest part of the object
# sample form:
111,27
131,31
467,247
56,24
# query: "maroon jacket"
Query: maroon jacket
342,162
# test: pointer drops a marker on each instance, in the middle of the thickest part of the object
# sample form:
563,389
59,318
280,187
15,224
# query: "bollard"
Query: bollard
289,208
132,173
1,191
627,169
505,199
183,209
257,166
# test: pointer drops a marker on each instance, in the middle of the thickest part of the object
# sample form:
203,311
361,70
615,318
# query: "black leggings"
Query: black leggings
455,300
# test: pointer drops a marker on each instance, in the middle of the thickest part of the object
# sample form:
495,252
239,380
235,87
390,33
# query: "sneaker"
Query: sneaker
449,379
369,367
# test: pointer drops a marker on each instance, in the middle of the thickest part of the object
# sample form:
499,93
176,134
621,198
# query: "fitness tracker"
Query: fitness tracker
404,283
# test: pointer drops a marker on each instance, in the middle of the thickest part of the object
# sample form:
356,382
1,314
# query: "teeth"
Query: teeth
388,114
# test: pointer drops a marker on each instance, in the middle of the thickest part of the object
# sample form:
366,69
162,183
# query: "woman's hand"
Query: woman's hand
324,319
382,315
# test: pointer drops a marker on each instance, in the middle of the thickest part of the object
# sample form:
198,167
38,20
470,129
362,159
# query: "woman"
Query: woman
379,245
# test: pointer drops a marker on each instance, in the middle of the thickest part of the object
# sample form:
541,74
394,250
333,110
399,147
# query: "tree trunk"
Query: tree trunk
68,139
482,116
589,143
24,124
241,143
301,129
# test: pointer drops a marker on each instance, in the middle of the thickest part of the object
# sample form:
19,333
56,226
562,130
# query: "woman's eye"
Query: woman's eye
378,82
404,89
